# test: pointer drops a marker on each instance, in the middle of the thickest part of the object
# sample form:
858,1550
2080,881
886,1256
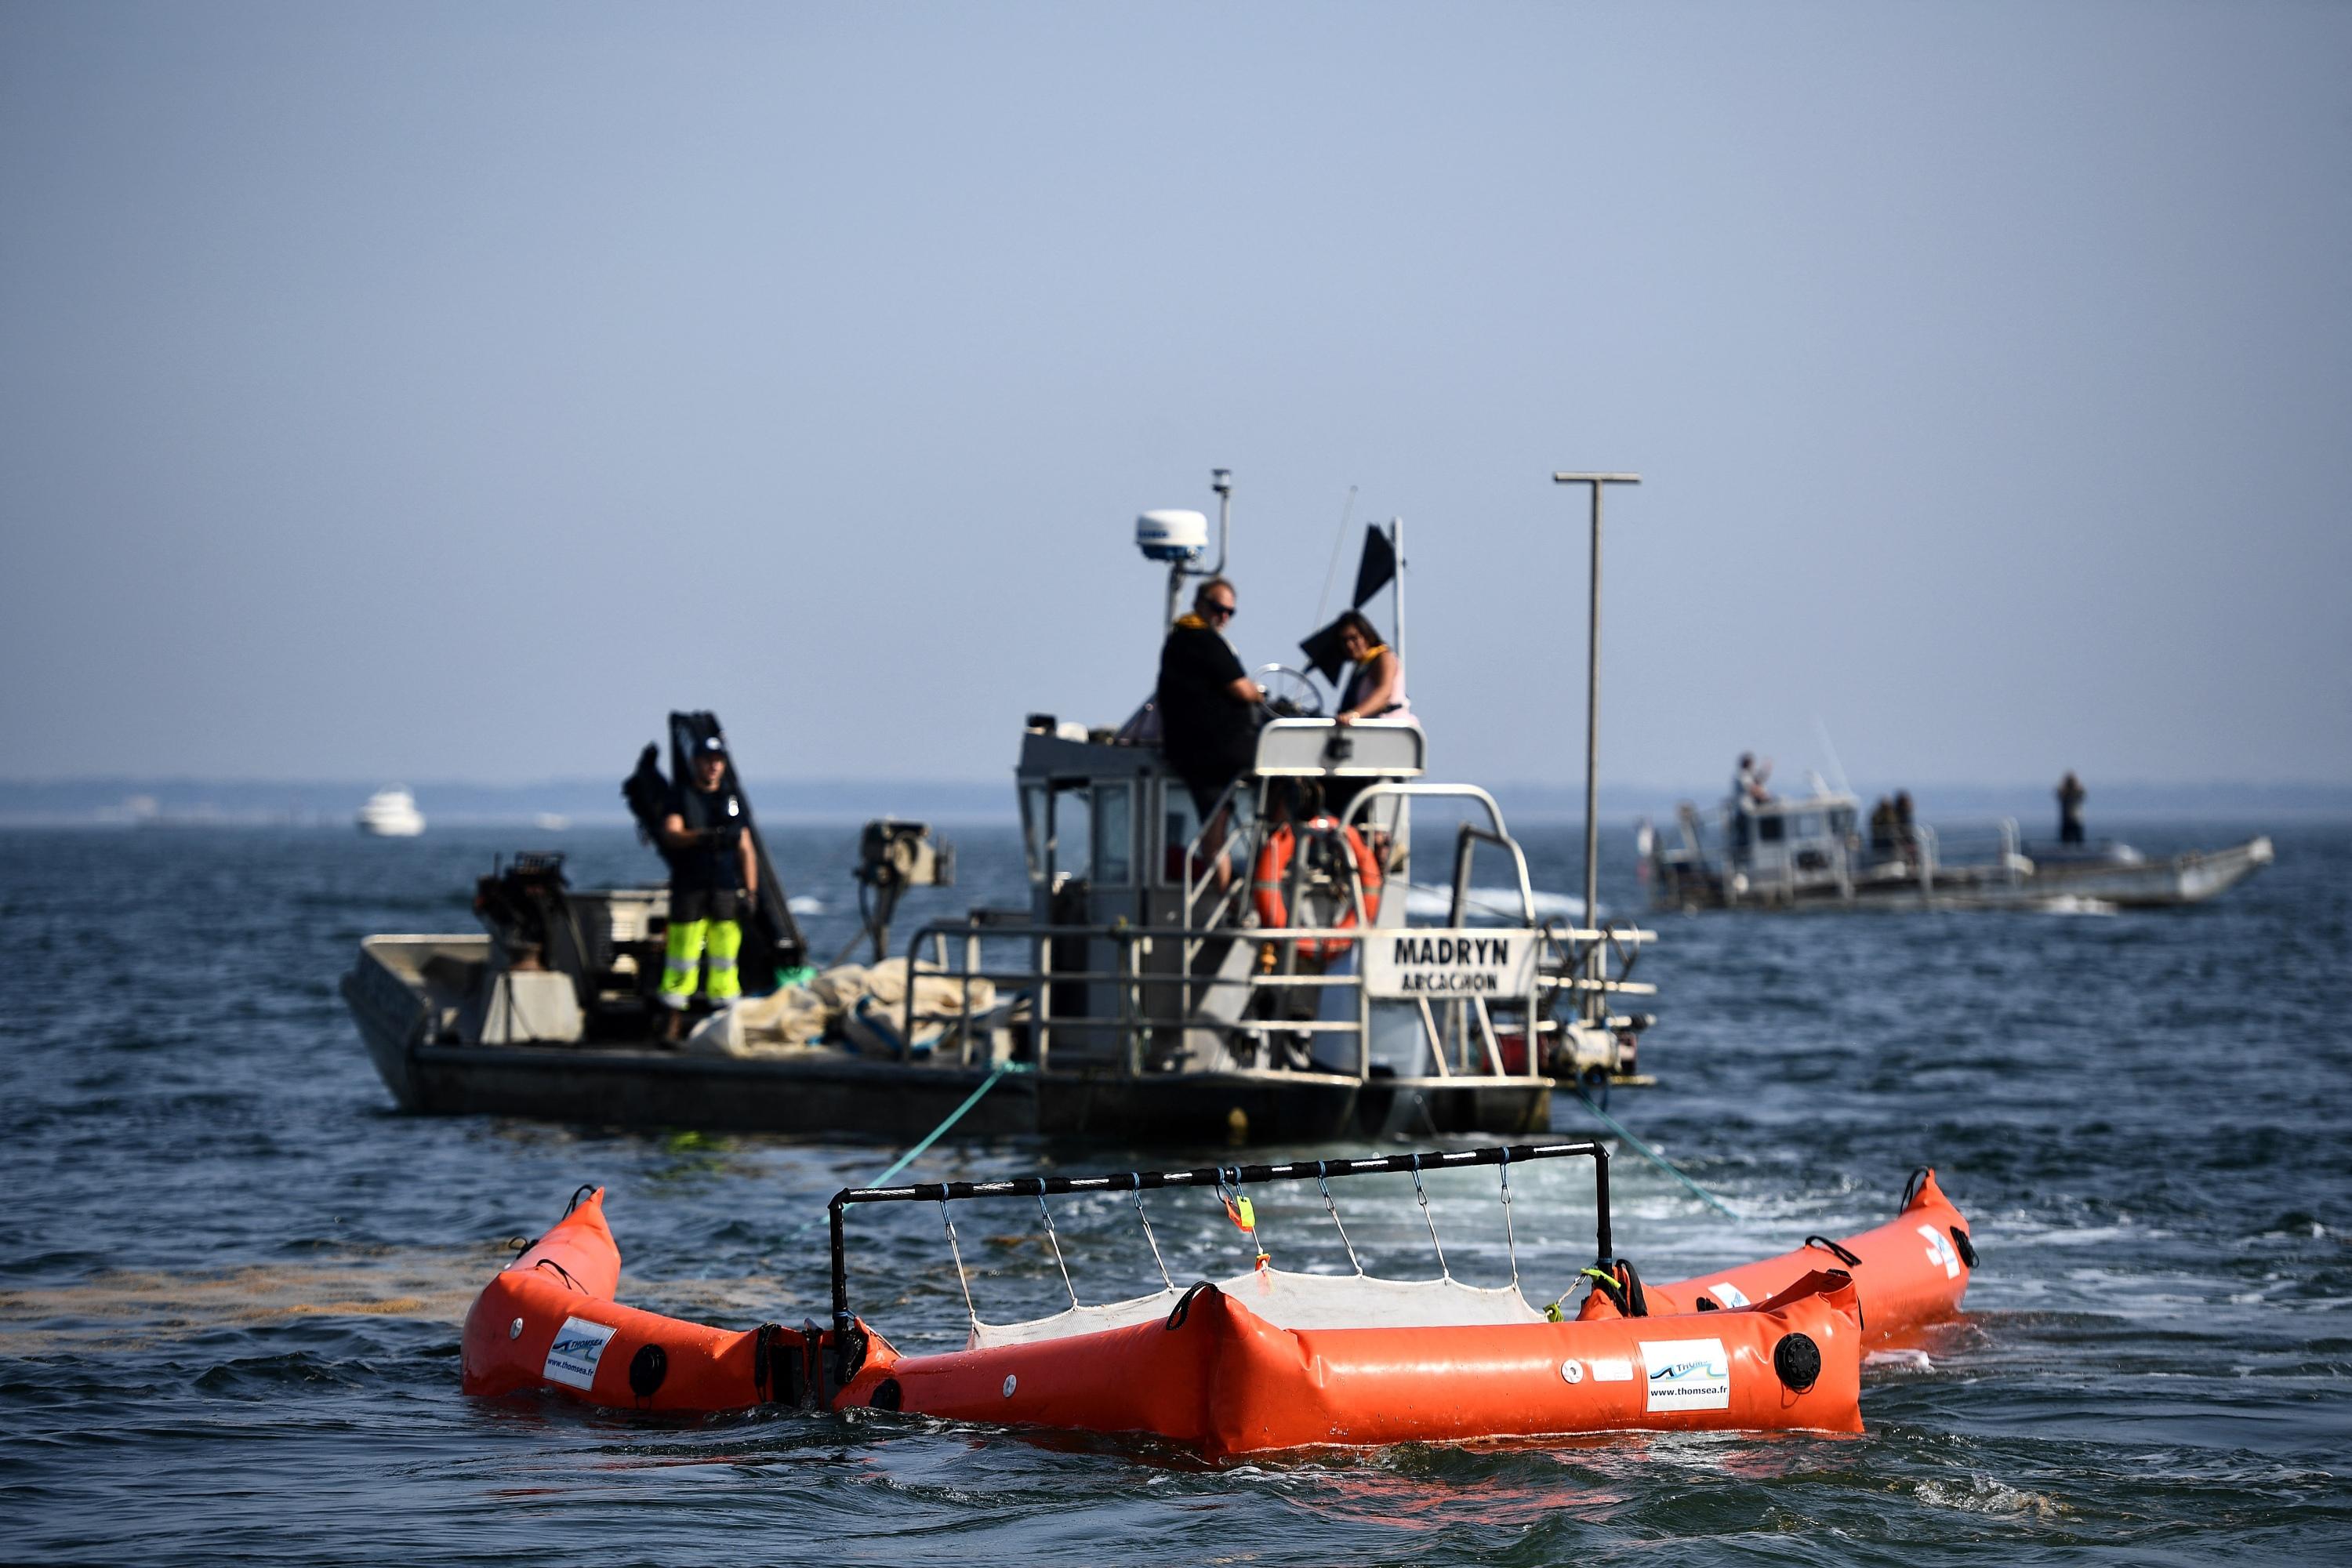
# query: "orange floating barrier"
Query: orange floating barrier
1909,1273
1217,1377
548,1321
1270,1360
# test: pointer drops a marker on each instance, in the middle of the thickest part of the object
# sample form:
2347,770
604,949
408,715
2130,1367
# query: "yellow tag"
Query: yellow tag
1249,1214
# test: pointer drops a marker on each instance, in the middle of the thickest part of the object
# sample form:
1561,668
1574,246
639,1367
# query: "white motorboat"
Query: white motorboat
1812,852
391,814
1166,979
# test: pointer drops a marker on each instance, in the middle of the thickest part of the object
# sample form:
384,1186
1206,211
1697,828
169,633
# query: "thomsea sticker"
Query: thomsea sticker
1729,1294
579,1346
1687,1374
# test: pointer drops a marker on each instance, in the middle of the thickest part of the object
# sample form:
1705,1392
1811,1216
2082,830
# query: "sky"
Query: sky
441,391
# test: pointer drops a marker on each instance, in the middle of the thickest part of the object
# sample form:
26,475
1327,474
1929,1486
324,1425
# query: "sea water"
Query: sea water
232,1275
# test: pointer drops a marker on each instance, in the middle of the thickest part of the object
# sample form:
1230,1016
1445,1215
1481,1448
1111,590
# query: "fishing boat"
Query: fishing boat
1155,987
391,814
1269,1358
1809,852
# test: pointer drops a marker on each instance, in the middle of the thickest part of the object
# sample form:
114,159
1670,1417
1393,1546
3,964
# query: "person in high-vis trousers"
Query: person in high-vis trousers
714,886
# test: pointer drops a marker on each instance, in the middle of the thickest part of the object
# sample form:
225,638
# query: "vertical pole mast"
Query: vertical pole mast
1396,547
1595,1002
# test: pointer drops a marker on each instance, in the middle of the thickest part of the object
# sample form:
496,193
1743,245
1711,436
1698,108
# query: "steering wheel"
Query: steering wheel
1289,693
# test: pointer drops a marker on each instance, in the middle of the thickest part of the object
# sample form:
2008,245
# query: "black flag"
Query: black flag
1378,565
1323,653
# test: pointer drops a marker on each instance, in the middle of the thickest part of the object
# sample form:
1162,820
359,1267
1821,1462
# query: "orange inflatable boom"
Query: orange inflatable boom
1775,1344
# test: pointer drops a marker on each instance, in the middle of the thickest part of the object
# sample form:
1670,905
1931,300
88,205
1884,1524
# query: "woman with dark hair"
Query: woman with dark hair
1374,690
1375,686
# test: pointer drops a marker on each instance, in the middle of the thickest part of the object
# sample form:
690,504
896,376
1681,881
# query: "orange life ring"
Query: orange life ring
1273,863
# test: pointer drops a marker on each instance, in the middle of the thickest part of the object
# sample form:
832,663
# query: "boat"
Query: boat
391,814
1809,852
1141,994
1269,1358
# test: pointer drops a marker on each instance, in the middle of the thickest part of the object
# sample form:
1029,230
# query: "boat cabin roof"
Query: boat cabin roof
1287,748
1791,805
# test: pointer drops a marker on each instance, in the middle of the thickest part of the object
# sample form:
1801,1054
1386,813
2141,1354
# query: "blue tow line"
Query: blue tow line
933,1136
1652,1156
954,1116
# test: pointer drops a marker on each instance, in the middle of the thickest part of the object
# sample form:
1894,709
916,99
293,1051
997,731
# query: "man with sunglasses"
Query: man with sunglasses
1208,710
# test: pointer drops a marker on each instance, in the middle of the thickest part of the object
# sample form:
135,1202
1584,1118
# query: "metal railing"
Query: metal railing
1171,996
848,1347
1562,956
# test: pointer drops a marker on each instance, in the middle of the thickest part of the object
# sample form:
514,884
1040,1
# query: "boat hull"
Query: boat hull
832,1093
2151,884
837,1095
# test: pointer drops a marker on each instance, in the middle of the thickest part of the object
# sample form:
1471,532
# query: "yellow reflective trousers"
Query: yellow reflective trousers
688,941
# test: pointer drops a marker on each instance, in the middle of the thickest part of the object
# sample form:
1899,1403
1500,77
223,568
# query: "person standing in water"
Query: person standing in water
2070,808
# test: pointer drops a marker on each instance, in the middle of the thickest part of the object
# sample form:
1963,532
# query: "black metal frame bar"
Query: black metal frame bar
1209,1176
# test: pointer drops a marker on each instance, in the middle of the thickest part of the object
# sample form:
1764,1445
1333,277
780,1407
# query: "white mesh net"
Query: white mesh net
1291,1300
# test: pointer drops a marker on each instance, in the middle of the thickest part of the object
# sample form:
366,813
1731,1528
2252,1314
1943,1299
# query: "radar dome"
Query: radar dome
1171,535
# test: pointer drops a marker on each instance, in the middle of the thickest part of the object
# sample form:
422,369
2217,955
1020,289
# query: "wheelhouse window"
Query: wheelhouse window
1069,831
1179,826
1113,855
1036,830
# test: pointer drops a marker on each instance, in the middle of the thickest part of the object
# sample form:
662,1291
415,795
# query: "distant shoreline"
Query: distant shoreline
125,802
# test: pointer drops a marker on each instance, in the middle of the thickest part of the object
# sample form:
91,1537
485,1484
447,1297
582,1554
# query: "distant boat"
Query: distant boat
391,814
551,822
1812,852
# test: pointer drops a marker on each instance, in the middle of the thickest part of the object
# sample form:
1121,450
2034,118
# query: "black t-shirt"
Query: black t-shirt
1205,734
715,864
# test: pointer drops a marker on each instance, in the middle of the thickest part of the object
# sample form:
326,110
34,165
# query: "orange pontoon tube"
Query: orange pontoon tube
1216,1377
548,1321
1255,1364
1910,1272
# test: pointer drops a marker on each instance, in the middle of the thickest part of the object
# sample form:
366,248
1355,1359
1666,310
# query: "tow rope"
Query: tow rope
1660,1161
933,1136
